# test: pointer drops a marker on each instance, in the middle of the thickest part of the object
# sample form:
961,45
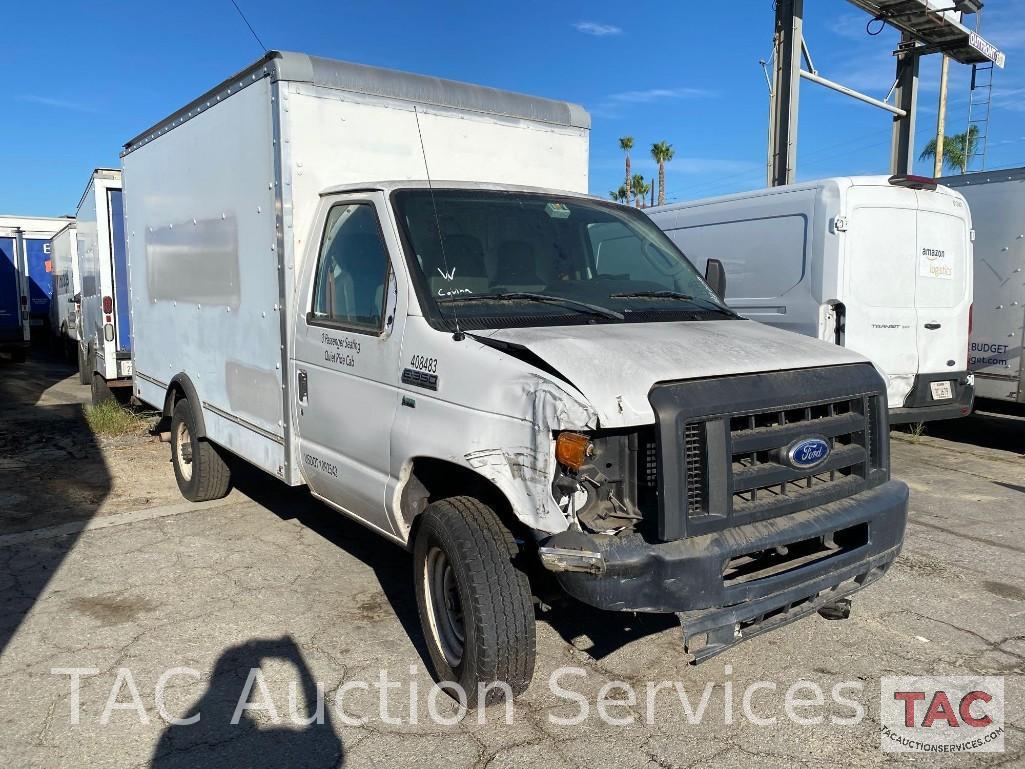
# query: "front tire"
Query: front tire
474,603
200,470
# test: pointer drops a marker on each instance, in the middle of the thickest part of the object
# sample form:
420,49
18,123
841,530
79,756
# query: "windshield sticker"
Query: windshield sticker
557,210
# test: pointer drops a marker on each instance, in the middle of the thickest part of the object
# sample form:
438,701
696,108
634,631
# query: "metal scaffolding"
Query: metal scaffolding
925,26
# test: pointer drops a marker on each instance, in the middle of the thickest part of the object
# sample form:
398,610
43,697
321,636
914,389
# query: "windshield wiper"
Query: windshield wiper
529,296
667,294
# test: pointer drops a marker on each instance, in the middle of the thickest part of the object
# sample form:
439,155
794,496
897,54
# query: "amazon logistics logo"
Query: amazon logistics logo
953,714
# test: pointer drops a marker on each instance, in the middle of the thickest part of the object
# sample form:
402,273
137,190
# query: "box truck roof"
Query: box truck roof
374,81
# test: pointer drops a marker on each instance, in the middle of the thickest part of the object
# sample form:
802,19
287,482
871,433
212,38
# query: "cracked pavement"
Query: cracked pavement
270,579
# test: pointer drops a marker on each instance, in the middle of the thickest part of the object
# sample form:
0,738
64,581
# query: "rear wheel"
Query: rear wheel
200,470
474,603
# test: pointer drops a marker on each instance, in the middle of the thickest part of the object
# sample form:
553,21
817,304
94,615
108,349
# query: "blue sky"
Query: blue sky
81,78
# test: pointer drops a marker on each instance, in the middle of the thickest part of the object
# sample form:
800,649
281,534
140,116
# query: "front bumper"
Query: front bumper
687,576
919,405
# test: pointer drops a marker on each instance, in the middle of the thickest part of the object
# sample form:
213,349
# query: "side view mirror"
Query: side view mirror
715,277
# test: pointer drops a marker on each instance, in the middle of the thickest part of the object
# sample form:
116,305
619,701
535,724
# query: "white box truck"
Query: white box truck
15,331
449,364
67,288
35,264
879,265
997,201
105,324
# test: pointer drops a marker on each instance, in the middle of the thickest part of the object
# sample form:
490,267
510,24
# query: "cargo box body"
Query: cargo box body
105,326
997,201
221,199
67,285
35,261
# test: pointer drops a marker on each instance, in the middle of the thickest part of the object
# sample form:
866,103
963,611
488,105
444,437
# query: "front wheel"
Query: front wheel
200,470
474,603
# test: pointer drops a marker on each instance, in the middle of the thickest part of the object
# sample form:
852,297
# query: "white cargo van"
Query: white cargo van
453,365
105,324
880,266
997,201
67,288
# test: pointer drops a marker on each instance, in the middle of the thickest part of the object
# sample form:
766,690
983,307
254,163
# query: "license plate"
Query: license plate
126,368
941,390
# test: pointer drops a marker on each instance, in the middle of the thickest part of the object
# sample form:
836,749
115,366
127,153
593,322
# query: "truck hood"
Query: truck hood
614,366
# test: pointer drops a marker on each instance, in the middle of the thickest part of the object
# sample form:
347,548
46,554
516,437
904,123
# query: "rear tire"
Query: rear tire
475,605
200,470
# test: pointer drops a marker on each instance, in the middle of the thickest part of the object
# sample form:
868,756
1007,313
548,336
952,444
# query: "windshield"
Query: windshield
511,258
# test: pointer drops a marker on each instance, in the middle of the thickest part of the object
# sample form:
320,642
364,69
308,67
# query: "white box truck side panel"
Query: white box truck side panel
997,202
203,256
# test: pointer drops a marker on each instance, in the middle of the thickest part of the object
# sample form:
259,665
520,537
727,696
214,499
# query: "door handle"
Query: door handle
932,326
303,386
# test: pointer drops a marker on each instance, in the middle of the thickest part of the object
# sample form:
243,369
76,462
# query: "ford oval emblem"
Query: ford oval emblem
808,453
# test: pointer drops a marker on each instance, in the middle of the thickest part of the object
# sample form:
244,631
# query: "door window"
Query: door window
352,269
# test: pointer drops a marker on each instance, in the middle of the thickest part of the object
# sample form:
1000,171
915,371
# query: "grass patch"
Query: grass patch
112,419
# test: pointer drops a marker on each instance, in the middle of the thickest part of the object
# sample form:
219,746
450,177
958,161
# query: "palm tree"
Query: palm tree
662,152
620,195
640,189
957,149
626,143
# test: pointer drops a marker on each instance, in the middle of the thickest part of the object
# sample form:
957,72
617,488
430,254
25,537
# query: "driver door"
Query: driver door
346,365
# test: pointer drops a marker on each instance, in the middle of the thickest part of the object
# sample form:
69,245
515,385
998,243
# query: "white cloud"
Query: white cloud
597,29
659,94
47,101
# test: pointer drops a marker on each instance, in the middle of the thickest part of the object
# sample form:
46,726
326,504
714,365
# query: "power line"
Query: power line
258,40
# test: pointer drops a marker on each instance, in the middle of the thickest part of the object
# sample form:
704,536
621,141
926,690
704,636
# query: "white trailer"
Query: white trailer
997,201
67,288
105,327
447,363
880,266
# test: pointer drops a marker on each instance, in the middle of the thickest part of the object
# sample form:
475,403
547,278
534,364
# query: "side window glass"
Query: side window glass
352,269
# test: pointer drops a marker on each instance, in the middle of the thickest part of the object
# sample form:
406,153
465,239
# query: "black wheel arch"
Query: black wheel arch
181,386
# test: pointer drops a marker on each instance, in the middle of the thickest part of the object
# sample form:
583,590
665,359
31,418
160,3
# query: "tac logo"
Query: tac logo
953,714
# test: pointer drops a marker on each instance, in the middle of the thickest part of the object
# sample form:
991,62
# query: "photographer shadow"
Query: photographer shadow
214,740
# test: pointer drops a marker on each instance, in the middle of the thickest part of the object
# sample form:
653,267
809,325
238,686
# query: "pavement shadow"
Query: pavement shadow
218,736
392,565
599,633
998,426
51,472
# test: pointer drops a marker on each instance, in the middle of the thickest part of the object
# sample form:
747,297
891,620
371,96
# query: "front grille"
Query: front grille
763,482
723,445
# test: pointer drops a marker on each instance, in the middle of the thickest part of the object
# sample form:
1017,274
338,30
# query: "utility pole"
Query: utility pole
906,98
941,118
786,83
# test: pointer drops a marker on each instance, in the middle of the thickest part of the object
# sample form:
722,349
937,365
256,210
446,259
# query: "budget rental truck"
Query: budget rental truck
997,201
105,324
882,266
394,289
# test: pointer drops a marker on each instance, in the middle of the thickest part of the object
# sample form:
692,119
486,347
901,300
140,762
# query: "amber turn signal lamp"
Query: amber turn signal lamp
573,450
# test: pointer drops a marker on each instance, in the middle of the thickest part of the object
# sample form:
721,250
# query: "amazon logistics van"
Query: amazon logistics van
880,266
395,290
